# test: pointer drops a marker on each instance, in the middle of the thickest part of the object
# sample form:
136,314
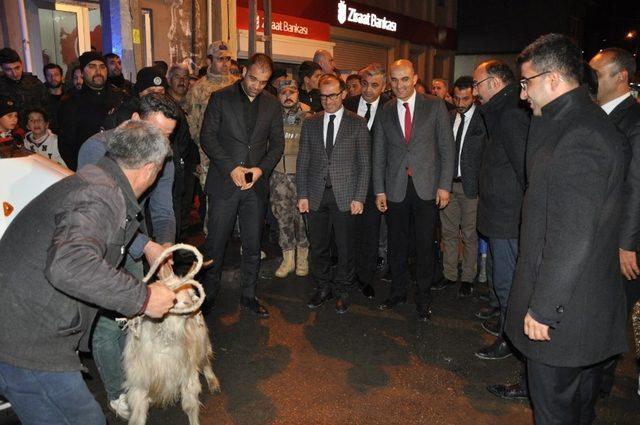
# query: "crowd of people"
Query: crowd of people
359,173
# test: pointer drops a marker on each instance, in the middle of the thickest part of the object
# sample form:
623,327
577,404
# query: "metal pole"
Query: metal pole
268,42
26,44
253,13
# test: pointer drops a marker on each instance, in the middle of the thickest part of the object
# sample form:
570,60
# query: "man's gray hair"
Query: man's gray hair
175,68
374,69
136,143
623,60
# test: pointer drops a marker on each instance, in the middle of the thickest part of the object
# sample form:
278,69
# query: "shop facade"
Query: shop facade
143,31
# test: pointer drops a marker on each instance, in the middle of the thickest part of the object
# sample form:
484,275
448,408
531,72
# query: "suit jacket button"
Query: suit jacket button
560,309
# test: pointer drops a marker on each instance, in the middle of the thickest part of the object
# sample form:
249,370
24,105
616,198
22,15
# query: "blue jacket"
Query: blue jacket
160,199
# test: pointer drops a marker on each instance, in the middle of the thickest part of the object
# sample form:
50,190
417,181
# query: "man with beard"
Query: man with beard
114,74
53,83
566,310
292,231
197,98
459,217
178,78
83,114
242,134
23,88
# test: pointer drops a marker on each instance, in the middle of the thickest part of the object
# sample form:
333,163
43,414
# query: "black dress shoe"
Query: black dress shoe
424,314
367,289
466,290
444,283
342,304
319,297
392,301
497,351
509,391
488,312
492,326
253,305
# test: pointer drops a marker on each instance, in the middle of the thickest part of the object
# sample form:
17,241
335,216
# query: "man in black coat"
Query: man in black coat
566,311
242,134
367,233
502,181
332,175
459,217
24,88
614,67
82,115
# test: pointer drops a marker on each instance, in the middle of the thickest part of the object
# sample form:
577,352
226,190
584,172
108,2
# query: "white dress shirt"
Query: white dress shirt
336,125
362,110
611,105
456,124
401,110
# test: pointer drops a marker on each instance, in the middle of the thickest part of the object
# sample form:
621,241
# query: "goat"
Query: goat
163,359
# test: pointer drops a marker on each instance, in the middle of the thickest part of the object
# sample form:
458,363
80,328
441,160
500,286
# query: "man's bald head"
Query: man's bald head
613,67
403,79
402,63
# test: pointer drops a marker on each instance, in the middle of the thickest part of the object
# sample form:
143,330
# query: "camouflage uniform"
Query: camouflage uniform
283,183
195,104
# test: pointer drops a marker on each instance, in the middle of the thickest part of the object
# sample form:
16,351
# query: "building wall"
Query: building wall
173,30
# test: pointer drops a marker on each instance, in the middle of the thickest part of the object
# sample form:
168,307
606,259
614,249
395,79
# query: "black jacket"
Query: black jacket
81,116
311,98
568,274
225,139
473,145
626,116
502,180
29,92
58,262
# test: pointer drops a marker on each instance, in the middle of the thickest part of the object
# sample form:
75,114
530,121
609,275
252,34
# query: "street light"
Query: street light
631,34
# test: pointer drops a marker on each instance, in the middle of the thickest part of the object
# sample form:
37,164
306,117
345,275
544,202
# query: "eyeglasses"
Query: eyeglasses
331,97
475,83
524,82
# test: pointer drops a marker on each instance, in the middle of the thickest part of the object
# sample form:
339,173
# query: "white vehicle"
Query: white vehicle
23,176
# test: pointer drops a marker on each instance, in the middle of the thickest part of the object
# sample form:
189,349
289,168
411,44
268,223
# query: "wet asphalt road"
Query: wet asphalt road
364,367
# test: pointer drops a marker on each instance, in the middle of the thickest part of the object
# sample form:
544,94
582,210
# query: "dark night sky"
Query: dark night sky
507,26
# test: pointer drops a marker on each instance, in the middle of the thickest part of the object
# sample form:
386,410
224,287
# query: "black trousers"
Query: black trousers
400,218
367,235
563,395
250,207
320,224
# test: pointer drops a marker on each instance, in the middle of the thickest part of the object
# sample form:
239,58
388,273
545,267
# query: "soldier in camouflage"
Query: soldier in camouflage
293,234
197,98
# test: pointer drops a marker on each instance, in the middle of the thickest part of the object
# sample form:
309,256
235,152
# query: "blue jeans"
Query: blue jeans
49,398
107,344
504,253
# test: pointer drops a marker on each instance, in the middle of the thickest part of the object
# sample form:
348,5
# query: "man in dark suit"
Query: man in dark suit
501,181
332,173
614,67
567,295
413,164
242,134
367,105
459,217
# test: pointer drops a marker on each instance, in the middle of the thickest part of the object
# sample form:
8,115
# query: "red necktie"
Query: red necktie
407,129
407,123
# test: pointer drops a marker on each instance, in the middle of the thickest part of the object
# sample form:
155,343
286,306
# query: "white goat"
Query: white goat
163,358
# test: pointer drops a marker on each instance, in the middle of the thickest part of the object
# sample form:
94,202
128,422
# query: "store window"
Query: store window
68,30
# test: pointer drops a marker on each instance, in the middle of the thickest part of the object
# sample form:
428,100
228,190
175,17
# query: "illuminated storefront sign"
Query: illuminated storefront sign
351,14
286,25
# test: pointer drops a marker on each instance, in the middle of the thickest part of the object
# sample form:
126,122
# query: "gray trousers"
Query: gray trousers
459,223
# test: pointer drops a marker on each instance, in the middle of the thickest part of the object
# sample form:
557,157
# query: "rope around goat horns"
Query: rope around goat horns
174,282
